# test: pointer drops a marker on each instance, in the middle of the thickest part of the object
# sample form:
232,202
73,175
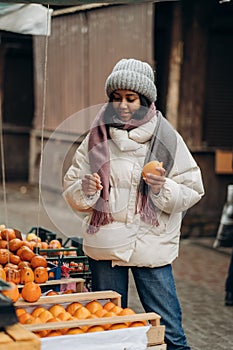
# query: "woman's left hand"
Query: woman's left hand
156,182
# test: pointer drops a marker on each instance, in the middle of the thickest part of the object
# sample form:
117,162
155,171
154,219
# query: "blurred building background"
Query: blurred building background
188,42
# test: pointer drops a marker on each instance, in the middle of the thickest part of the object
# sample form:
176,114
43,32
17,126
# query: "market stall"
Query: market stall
28,285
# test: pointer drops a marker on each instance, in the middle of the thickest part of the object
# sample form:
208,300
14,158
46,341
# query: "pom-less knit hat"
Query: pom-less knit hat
135,75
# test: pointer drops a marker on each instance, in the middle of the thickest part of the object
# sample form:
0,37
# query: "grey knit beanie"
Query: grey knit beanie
135,75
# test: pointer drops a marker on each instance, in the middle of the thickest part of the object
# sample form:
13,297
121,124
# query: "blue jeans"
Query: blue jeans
156,289
229,280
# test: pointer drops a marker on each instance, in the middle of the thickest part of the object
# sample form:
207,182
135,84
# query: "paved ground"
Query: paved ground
200,271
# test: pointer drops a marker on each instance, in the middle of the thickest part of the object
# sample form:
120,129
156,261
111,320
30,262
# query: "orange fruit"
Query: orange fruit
116,309
108,314
126,311
64,316
38,261
54,333
56,309
36,320
12,293
8,234
2,274
82,313
53,319
31,292
51,292
42,334
94,306
151,168
137,324
76,330
101,313
20,311
41,274
45,316
24,317
118,326
95,329
109,305
37,311
71,308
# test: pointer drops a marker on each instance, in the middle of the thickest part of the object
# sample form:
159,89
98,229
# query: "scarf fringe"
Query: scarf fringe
99,218
147,211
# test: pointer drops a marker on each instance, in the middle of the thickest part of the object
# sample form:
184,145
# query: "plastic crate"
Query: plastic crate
43,233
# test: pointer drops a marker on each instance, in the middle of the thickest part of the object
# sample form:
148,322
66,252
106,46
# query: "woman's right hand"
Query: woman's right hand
91,183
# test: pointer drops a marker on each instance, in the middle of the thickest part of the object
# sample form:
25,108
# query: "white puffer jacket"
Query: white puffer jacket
128,240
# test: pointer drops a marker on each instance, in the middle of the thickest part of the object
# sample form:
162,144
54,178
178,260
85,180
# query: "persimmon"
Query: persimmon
12,293
38,261
41,274
31,292
150,167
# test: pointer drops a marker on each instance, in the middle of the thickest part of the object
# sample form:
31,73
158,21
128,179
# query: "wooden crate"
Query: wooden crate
16,337
155,335
51,283
69,298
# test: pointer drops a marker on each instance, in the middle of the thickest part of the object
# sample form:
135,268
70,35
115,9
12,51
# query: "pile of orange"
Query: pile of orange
19,264
76,311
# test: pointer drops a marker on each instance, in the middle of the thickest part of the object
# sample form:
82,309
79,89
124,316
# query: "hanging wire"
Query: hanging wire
3,165
43,123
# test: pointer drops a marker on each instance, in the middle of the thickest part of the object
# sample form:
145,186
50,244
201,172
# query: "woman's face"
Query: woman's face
126,103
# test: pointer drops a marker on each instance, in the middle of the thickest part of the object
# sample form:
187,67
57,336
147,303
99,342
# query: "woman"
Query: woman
134,222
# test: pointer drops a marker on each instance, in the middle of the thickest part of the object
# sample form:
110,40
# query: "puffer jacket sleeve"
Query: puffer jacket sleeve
72,184
183,187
